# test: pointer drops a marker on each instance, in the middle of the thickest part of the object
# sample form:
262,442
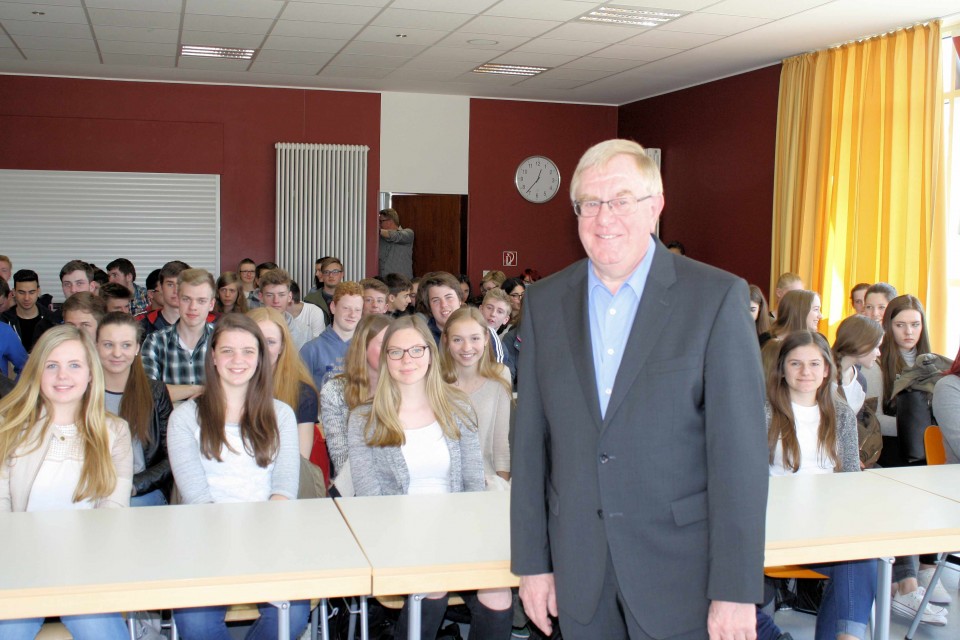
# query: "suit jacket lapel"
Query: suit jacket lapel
653,315
577,322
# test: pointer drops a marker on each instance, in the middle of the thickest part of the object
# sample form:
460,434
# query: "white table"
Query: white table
942,480
96,561
848,516
423,544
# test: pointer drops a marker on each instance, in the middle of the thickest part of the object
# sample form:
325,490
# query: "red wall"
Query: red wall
97,125
718,141
502,134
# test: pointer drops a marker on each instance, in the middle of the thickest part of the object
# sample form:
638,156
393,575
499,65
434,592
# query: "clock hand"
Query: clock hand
536,181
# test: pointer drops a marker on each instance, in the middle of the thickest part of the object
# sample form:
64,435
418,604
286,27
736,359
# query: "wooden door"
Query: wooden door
439,226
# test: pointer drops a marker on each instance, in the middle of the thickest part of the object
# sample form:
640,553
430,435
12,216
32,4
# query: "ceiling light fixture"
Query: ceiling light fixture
230,53
39,13
400,35
631,16
510,69
482,41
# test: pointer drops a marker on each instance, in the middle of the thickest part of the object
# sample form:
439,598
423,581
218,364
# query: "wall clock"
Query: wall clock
537,179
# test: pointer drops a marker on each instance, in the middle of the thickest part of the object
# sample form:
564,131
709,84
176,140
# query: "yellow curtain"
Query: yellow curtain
858,187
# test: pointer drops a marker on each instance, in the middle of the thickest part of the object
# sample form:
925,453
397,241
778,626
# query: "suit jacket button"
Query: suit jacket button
600,513
604,458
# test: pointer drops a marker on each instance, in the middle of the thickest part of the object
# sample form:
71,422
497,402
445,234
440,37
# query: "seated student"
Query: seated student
876,299
292,384
100,278
492,280
248,281
398,300
468,363
60,450
419,436
324,355
275,293
786,282
142,402
414,291
375,295
116,297
28,318
515,290
799,309
329,274
235,443
909,373
858,297
809,432
345,392
229,298
308,317
175,355
856,347
154,294
495,308
84,311
759,310
169,312
12,353
466,289
255,298
76,276
946,409
123,272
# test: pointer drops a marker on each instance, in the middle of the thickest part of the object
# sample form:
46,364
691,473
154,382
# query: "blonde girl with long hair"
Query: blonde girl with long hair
418,436
469,365
292,382
355,386
59,449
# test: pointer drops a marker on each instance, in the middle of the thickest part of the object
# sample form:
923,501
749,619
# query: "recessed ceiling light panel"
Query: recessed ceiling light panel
510,69
230,53
631,16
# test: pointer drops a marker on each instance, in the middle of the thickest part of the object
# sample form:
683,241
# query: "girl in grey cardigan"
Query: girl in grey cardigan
418,436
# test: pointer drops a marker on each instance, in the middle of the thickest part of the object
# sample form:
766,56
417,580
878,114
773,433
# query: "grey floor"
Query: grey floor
801,625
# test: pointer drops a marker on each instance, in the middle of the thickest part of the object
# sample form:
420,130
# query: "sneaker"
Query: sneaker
909,604
520,632
939,595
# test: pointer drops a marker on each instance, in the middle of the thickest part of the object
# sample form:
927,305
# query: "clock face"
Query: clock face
537,179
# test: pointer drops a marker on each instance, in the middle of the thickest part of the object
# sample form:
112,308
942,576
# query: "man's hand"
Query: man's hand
539,596
385,233
731,621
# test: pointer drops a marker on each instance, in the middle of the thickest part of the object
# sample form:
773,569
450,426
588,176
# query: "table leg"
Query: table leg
364,619
884,580
283,618
324,620
415,601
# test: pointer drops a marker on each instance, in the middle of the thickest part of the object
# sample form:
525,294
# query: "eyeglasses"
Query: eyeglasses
415,352
332,272
516,296
618,206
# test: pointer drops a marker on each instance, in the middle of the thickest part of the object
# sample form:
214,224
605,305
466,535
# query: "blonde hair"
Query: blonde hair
487,365
383,427
289,374
600,154
25,415
356,380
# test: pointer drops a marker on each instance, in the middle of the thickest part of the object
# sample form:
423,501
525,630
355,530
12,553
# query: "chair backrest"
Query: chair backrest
933,444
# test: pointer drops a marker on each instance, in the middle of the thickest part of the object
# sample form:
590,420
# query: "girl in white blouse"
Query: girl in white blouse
59,449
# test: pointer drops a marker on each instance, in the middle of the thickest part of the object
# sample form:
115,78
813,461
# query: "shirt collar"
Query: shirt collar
636,280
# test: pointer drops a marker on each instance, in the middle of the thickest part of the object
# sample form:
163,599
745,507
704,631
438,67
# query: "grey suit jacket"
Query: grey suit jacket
673,481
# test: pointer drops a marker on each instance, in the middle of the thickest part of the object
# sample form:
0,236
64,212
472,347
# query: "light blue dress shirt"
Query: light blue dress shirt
611,318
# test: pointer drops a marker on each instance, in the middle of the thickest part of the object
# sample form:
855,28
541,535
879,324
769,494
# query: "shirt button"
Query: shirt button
608,391
609,352
604,458
613,312
600,513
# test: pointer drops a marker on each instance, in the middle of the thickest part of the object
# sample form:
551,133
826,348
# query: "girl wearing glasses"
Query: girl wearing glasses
515,289
419,436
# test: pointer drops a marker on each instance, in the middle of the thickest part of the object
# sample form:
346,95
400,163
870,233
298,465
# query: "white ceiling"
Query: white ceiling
354,44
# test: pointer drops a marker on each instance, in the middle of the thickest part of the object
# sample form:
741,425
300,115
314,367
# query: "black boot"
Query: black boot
431,617
490,624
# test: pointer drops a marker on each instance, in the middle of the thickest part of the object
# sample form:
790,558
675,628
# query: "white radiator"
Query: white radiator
321,208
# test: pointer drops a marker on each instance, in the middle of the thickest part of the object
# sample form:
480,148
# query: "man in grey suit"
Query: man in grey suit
640,458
